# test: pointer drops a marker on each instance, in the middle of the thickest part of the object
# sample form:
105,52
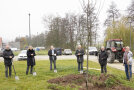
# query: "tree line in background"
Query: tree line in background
64,32
36,41
118,26
69,31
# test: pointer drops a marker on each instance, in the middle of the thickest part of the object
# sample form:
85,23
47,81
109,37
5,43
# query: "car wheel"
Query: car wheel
121,60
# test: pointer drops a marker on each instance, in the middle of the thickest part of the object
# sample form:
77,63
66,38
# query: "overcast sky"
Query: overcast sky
14,14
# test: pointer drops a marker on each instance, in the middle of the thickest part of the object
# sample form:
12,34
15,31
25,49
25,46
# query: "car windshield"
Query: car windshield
24,51
67,50
92,48
118,44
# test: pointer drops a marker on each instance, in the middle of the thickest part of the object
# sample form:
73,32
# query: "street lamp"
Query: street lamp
37,39
29,30
130,21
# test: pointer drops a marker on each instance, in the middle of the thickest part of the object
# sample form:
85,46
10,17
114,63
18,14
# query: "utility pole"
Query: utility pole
130,21
29,43
130,35
37,39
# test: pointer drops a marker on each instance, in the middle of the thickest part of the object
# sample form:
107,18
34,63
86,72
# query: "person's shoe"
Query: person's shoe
26,73
55,71
81,72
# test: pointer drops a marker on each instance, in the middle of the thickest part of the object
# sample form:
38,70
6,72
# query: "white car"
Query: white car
22,55
67,52
93,51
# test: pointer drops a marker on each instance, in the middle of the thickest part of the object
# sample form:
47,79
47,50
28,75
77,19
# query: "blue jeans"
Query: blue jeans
80,66
128,73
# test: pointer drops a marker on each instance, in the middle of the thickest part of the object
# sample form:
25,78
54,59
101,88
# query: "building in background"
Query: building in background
14,45
0,42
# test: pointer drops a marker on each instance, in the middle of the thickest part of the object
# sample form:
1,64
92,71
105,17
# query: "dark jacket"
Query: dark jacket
103,57
30,58
80,58
6,56
51,56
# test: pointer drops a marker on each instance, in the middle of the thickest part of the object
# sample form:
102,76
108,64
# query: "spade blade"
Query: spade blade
16,78
34,73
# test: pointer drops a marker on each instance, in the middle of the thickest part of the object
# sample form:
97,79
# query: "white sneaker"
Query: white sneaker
81,72
55,71
34,74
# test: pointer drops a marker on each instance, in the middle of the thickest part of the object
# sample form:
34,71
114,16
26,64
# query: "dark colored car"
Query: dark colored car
1,53
59,51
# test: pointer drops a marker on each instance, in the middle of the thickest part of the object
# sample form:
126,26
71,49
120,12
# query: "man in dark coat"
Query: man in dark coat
30,59
52,57
80,58
103,59
8,56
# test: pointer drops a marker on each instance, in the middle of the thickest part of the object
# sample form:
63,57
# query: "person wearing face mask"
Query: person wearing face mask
80,58
30,59
52,57
103,59
127,62
8,56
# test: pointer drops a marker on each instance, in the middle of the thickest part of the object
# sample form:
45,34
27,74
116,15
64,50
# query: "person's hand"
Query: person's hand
78,53
10,56
32,54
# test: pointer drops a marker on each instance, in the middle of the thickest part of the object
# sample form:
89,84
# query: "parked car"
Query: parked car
59,51
93,51
67,52
22,55
1,53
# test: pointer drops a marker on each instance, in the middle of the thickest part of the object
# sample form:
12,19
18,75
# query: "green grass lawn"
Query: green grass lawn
39,82
41,52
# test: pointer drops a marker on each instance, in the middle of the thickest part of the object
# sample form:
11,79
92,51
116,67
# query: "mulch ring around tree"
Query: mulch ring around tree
102,82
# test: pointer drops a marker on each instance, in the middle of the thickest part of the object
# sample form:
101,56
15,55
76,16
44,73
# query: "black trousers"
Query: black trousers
104,68
31,70
6,70
80,66
54,62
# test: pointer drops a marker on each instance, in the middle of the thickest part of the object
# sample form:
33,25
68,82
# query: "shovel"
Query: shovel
128,72
81,72
34,73
16,77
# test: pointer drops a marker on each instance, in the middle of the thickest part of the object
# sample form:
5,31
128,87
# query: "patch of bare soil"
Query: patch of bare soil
94,82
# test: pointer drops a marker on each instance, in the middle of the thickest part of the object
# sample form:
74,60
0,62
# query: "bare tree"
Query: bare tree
113,15
88,9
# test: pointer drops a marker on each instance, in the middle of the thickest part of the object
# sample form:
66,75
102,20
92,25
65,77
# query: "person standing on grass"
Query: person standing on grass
103,59
127,62
52,57
8,56
80,58
30,59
